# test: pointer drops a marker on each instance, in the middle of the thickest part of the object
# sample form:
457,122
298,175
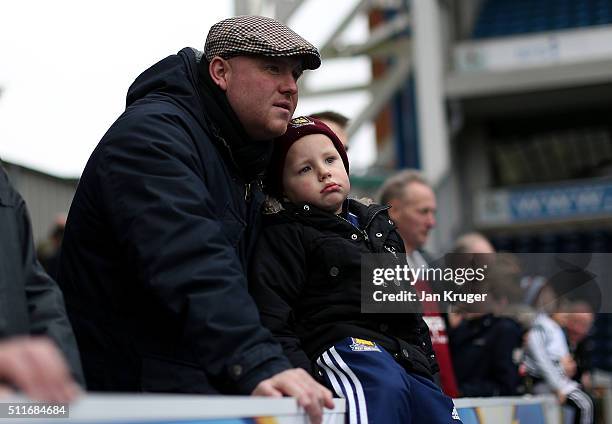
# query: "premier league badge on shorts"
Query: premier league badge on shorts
361,345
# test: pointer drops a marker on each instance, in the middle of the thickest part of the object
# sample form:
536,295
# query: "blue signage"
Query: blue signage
592,199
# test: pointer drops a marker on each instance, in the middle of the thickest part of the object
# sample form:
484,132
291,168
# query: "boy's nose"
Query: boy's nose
324,173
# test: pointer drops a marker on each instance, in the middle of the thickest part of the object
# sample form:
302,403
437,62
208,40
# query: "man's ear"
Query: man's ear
219,70
393,212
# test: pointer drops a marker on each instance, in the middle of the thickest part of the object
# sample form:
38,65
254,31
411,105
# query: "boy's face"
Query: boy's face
314,173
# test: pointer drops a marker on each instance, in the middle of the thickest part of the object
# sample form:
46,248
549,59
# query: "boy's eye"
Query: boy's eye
330,159
304,170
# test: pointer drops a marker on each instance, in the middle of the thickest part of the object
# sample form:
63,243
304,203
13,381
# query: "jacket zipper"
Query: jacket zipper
247,186
363,232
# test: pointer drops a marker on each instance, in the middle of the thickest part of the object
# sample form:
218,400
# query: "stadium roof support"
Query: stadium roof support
409,41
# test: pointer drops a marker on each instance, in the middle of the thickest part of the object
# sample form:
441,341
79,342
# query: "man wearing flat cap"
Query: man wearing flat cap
165,217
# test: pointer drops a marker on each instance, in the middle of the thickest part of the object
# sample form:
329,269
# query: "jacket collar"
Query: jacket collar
178,78
312,215
251,157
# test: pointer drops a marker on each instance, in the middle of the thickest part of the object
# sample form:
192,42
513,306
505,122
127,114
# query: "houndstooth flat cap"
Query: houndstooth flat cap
258,35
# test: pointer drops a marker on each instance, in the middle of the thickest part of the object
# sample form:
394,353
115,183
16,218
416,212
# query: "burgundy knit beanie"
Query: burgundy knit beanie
297,128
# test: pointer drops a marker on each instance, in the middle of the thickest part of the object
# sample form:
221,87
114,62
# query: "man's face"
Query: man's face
578,326
314,173
339,131
263,93
414,214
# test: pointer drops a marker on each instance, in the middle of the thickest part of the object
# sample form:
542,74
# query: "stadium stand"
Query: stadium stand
500,18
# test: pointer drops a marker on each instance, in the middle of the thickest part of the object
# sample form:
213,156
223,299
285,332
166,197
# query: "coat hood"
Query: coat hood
174,78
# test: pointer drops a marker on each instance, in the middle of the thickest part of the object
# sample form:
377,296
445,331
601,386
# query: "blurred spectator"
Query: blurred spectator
483,350
577,326
31,305
337,122
487,337
48,254
413,208
473,243
548,360
538,294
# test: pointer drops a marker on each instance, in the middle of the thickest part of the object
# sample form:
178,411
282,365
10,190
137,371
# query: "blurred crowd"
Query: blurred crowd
533,336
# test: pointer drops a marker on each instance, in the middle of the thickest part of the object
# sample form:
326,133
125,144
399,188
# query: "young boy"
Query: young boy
306,275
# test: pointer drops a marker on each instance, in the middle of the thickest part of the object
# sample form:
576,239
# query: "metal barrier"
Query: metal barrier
176,409
187,409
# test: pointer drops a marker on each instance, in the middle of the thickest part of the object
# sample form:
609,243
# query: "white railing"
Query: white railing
542,409
191,409
184,409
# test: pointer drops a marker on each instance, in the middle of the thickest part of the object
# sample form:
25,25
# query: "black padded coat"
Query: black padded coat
305,277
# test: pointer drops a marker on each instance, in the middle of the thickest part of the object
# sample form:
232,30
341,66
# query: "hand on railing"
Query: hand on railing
297,383
35,366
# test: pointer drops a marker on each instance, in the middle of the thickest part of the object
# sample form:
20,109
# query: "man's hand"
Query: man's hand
35,366
299,384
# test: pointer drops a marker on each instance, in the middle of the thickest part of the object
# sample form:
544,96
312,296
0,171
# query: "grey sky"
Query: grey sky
65,67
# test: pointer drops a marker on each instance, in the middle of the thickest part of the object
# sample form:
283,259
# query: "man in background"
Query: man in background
337,122
49,252
578,327
413,210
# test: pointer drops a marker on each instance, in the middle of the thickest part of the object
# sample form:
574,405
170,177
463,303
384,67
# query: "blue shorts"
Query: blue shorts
378,390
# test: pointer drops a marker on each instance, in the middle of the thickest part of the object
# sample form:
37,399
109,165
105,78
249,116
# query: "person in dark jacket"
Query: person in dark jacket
165,216
306,279
491,342
38,351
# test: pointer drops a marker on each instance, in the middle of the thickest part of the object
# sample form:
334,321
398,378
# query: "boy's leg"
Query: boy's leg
430,404
377,389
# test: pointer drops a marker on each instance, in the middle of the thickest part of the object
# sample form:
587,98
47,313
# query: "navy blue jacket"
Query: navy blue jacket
483,351
155,250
